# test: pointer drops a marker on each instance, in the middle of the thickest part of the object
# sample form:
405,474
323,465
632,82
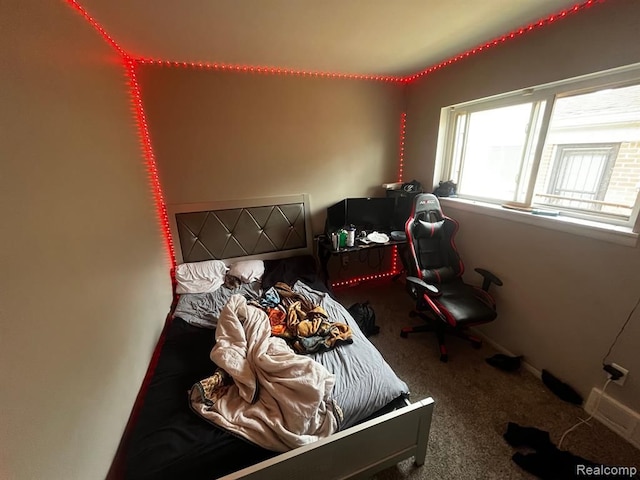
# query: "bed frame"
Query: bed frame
279,227
357,452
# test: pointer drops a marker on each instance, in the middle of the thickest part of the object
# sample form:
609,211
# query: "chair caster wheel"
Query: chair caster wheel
476,344
444,358
404,334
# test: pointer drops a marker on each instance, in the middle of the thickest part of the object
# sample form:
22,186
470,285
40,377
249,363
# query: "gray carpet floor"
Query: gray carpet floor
474,401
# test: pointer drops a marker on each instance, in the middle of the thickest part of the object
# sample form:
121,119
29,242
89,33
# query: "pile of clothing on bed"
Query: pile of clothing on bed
264,388
303,324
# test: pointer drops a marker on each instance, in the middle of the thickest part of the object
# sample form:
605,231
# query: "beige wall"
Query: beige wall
565,297
85,283
223,136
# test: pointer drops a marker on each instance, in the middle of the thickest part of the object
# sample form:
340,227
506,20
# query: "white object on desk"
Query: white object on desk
377,237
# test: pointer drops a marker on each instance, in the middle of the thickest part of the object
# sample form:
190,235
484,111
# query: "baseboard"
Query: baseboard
613,414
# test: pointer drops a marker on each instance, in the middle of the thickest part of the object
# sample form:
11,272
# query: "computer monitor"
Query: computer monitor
369,214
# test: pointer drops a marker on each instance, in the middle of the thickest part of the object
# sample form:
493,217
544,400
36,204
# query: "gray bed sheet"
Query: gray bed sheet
203,309
365,383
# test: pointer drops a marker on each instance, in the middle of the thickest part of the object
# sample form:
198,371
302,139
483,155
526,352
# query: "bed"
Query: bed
169,436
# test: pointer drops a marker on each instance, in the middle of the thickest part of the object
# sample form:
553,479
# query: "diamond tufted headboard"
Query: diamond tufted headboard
264,228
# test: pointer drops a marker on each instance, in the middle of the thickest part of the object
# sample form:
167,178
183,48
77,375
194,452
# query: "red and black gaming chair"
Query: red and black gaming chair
443,300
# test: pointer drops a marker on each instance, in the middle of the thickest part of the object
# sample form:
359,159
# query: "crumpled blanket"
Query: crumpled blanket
306,326
277,399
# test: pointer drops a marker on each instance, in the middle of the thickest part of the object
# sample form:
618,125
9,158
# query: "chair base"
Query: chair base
440,329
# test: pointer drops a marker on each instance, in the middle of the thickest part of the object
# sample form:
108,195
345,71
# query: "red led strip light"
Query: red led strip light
395,269
75,5
143,131
149,157
516,33
130,64
394,251
223,67
269,70
356,280
304,73
403,132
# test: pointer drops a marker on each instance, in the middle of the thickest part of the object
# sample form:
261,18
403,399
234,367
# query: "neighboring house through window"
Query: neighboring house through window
580,176
571,147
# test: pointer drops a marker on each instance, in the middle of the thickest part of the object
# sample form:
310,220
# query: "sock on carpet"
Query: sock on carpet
504,362
519,436
548,462
561,389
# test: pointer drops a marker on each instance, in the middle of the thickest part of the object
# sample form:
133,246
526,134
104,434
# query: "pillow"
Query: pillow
247,270
200,277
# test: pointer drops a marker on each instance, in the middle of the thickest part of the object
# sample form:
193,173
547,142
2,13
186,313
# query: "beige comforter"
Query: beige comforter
278,399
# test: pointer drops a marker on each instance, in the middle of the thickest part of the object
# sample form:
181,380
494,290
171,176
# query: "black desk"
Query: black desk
326,251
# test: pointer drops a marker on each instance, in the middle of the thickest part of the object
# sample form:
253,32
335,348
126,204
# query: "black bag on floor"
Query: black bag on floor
365,317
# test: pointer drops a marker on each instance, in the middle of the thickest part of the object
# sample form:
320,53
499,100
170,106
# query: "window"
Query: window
571,148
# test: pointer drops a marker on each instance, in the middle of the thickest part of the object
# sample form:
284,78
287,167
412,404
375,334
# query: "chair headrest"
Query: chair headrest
426,207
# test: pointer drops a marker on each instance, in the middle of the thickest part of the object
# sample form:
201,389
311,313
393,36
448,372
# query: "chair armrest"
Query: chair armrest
489,278
423,286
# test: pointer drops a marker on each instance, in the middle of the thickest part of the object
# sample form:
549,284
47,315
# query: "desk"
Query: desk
326,251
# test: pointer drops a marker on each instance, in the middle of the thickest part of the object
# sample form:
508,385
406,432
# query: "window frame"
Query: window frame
544,96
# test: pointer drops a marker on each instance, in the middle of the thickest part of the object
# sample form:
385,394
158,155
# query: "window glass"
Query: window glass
591,157
494,152
571,148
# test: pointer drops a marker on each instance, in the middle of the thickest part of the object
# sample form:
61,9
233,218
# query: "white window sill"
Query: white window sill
609,233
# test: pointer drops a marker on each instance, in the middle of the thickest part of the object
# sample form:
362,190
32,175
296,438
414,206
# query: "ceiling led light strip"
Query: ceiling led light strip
309,74
222,67
384,78
516,33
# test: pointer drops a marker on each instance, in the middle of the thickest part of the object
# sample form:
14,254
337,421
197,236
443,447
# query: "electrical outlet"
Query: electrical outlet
622,370
345,260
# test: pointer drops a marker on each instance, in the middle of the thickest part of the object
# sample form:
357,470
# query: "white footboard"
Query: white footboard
357,452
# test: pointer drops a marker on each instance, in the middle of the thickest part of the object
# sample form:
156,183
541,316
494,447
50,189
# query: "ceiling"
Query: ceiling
374,37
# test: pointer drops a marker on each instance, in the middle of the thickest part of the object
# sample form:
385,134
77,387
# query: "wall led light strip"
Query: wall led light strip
395,268
403,133
75,5
150,161
131,64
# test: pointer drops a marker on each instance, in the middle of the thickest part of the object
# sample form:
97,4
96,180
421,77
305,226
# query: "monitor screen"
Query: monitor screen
370,213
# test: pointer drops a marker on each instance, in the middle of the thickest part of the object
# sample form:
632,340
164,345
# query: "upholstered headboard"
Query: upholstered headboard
264,228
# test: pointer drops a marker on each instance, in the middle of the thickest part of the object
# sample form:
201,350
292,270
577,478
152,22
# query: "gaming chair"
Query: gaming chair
443,300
